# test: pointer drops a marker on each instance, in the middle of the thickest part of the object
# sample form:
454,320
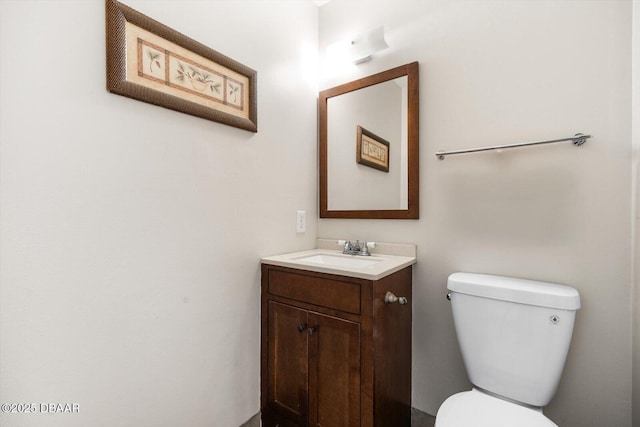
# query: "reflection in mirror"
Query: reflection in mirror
381,110
369,147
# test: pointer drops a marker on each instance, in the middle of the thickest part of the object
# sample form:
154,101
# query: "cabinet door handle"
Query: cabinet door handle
302,327
390,298
311,331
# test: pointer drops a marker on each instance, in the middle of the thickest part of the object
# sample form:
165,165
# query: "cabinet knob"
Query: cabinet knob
390,298
311,331
302,327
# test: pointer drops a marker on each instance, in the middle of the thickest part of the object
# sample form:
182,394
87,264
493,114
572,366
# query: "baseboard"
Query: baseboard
253,421
421,419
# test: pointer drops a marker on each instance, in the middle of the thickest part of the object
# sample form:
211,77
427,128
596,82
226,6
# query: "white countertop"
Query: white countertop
374,267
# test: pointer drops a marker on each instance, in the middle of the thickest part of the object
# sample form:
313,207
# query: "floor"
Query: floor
421,419
418,419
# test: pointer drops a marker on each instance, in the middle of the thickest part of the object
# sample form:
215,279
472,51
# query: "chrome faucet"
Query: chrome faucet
356,248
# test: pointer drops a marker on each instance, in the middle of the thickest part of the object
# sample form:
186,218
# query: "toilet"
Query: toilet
514,336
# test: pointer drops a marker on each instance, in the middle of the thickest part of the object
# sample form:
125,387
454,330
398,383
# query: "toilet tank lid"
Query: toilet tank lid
515,290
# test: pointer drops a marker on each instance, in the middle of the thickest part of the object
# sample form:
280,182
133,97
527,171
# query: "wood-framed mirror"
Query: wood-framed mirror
368,135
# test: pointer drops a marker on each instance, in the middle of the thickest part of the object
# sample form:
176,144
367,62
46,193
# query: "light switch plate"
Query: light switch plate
301,221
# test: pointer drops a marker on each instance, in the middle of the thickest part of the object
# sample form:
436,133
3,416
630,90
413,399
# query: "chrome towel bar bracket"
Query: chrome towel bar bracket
578,139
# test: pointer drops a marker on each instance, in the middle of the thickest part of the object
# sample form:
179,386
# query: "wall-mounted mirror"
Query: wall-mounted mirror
369,147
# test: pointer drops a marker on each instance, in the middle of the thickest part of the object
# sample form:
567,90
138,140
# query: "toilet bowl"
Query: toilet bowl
478,409
514,336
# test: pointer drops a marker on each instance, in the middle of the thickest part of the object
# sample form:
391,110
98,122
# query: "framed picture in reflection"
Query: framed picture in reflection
372,150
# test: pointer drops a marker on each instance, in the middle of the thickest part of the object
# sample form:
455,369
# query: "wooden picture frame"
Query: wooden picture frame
153,63
372,150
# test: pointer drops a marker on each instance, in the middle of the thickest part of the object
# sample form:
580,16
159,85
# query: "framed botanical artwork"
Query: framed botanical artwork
371,150
151,62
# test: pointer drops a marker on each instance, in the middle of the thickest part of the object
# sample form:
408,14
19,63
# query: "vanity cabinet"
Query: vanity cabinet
333,353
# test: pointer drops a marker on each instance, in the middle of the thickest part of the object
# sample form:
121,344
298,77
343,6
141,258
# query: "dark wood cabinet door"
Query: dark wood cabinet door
333,354
287,396
334,372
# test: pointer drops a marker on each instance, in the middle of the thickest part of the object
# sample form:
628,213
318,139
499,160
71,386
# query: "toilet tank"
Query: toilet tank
514,334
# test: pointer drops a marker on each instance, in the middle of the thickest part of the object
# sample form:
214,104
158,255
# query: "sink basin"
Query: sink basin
333,261
347,261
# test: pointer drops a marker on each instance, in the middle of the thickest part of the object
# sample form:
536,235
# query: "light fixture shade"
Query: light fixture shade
366,44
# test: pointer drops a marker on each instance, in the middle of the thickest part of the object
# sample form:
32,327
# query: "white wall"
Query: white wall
636,160
131,234
499,72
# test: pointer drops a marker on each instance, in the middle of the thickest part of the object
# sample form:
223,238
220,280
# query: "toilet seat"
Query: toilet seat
477,409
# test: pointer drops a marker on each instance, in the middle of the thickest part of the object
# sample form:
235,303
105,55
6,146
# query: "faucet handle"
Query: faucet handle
346,244
365,248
